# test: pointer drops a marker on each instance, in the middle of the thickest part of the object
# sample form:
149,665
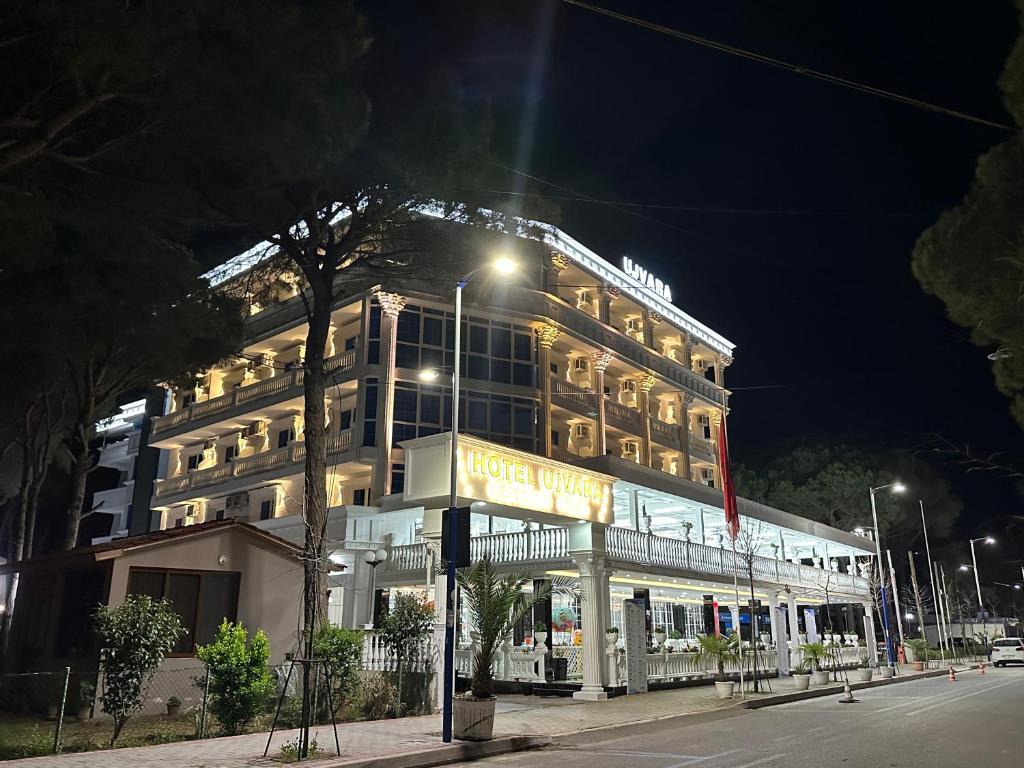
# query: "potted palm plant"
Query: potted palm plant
815,653
801,677
719,649
540,634
496,604
919,649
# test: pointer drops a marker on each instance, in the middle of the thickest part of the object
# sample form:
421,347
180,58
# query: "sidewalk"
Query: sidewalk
417,739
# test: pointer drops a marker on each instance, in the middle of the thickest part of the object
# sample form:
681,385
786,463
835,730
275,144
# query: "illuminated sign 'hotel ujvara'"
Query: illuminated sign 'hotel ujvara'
646,278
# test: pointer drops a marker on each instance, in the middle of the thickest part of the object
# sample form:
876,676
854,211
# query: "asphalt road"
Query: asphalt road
977,722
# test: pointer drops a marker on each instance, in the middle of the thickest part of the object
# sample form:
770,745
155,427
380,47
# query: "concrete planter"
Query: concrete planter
918,666
820,677
803,682
888,672
473,719
725,688
864,673
539,639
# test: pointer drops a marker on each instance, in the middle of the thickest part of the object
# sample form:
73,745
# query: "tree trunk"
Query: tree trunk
79,474
315,492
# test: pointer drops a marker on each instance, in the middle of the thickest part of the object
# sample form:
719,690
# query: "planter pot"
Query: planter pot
820,677
864,674
173,710
888,672
724,688
82,713
539,639
803,682
918,666
660,637
611,638
473,719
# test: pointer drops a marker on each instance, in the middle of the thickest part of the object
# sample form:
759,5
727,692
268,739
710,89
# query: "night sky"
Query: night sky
809,197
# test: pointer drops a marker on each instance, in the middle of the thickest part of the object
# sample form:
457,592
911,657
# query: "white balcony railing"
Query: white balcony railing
628,546
243,395
248,466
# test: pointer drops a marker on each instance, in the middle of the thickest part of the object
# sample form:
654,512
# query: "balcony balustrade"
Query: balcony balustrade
622,416
248,466
281,385
630,548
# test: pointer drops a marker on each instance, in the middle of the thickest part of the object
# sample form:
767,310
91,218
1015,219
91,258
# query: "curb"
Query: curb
785,698
454,753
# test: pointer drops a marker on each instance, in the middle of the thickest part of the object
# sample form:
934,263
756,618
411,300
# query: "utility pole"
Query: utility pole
917,596
895,596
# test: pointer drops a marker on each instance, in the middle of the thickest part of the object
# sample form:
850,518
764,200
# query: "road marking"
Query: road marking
703,759
637,753
762,761
964,696
815,730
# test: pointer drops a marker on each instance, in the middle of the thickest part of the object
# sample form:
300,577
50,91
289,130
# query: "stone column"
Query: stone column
557,263
391,305
593,584
645,385
586,544
721,363
647,316
546,336
794,623
601,361
688,351
716,422
869,631
683,402
609,293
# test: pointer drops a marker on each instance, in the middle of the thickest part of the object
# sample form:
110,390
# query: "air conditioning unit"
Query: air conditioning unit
704,420
584,300
707,476
634,325
190,511
699,365
581,432
262,360
628,385
255,429
581,365
236,501
630,448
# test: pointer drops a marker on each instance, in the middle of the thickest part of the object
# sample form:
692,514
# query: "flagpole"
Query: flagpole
732,527
739,634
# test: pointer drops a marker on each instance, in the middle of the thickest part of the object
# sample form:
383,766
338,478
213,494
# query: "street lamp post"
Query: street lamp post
372,558
505,266
977,586
890,653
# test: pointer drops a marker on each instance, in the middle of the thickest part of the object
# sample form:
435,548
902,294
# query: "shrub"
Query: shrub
134,638
408,622
240,683
377,697
342,649
290,750
675,634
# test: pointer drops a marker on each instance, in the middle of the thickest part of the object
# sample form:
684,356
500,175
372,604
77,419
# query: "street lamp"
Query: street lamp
977,585
896,487
505,266
372,558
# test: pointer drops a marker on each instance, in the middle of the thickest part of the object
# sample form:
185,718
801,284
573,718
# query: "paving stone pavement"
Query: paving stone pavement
516,715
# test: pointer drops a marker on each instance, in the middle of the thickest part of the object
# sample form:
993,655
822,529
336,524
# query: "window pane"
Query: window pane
477,414
375,321
522,374
501,371
430,409
478,339
405,405
523,421
218,600
146,583
477,368
431,358
432,331
403,432
407,356
183,592
501,343
409,327
501,417
373,352
524,347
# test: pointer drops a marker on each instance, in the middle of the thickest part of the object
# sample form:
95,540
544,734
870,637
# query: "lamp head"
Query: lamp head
989,540
504,265
898,487
429,374
965,567
859,530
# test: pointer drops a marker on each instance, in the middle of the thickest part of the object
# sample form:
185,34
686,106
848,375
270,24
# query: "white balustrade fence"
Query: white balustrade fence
377,657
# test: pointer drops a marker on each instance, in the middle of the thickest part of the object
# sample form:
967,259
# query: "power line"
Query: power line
794,68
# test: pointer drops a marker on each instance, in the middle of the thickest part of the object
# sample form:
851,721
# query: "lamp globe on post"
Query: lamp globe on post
977,584
373,558
894,487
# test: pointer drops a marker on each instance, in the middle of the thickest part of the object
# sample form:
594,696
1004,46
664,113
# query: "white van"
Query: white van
1007,650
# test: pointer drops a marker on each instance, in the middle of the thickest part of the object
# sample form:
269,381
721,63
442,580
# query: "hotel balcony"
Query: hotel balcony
245,398
627,549
277,463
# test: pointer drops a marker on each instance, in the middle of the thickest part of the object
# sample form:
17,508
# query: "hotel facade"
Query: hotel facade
588,419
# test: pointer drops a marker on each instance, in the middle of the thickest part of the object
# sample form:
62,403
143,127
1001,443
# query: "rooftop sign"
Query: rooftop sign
646,278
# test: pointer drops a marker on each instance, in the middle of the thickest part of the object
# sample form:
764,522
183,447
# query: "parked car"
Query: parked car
1007,650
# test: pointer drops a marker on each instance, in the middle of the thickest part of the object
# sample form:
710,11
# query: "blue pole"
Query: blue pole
449,627
890,653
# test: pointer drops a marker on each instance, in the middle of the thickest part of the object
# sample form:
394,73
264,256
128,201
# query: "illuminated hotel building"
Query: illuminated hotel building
578,378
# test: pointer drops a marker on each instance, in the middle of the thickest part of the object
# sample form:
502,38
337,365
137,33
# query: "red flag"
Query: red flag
732,513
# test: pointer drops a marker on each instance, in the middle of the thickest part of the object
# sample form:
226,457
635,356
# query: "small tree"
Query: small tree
496,604
134,638
342,651
403,629
718,649
240,683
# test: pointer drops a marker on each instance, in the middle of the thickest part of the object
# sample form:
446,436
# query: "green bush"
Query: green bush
342,649
134,638
408,622
240,683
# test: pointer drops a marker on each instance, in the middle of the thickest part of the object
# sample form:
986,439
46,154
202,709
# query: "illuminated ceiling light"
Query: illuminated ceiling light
505,265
